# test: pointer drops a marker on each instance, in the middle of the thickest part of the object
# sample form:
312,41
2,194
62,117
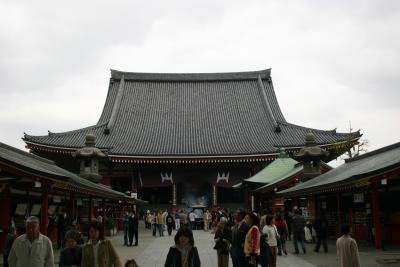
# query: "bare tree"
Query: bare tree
359,148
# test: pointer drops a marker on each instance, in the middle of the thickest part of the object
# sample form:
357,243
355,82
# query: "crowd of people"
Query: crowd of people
34,249
248,238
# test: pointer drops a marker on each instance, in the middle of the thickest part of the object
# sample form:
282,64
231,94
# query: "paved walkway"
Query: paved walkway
152,251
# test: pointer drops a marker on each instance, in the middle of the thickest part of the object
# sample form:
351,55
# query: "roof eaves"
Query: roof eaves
227,76
373,153
343,182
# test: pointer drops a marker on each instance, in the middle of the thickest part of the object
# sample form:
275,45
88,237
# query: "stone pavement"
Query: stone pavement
152,251
369,256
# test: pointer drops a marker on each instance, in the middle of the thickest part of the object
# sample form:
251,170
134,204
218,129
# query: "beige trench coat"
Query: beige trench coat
347,252
107,255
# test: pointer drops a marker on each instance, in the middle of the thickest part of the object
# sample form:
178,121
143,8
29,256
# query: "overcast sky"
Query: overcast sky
332,61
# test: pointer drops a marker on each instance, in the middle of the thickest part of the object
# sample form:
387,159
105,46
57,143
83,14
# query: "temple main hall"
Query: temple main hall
184,139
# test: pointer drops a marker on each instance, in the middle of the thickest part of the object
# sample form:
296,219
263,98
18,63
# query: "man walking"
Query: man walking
132,227
298,224
31,249
125,222
192,218
321,227
183,218
160,222
62,224
177,221
135,227
239,231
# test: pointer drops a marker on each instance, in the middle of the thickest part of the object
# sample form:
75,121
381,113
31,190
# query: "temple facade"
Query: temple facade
186,139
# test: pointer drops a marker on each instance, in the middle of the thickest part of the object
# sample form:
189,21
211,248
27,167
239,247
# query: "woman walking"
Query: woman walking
273,237
252,240
183,253
283,232
223,241
99,252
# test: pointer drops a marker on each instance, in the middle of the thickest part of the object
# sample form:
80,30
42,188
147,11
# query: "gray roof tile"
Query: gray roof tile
211,114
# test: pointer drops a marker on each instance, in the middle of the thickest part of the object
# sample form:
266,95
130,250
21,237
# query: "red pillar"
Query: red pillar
90,213
106,180
376,216
5,219
214,195
44,214
273,199
104,215
314,206
72,208
133,187
339,215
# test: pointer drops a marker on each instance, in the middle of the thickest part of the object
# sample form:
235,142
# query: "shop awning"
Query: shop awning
354,172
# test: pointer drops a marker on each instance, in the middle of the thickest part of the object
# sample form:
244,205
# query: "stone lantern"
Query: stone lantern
89,157
311,156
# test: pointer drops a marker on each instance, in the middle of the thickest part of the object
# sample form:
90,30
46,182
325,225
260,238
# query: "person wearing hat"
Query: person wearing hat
72,254
32,248
12,233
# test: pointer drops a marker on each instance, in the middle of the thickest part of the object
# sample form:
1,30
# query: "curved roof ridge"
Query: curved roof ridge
116,107
216,76
68,132
317,130
267,104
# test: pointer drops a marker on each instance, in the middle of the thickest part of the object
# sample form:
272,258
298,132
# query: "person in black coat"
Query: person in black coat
72,254
321,227
183,253
62,224
11,234
298,224
133,228
239,231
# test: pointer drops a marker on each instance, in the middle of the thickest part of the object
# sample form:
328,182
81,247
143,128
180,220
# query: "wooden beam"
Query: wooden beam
44,214
376,216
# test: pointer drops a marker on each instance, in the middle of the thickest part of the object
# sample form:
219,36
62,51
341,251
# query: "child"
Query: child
131,263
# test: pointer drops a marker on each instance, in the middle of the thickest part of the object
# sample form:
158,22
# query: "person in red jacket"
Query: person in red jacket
283,231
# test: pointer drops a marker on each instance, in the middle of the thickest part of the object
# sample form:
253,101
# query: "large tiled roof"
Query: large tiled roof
200,114
369,164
